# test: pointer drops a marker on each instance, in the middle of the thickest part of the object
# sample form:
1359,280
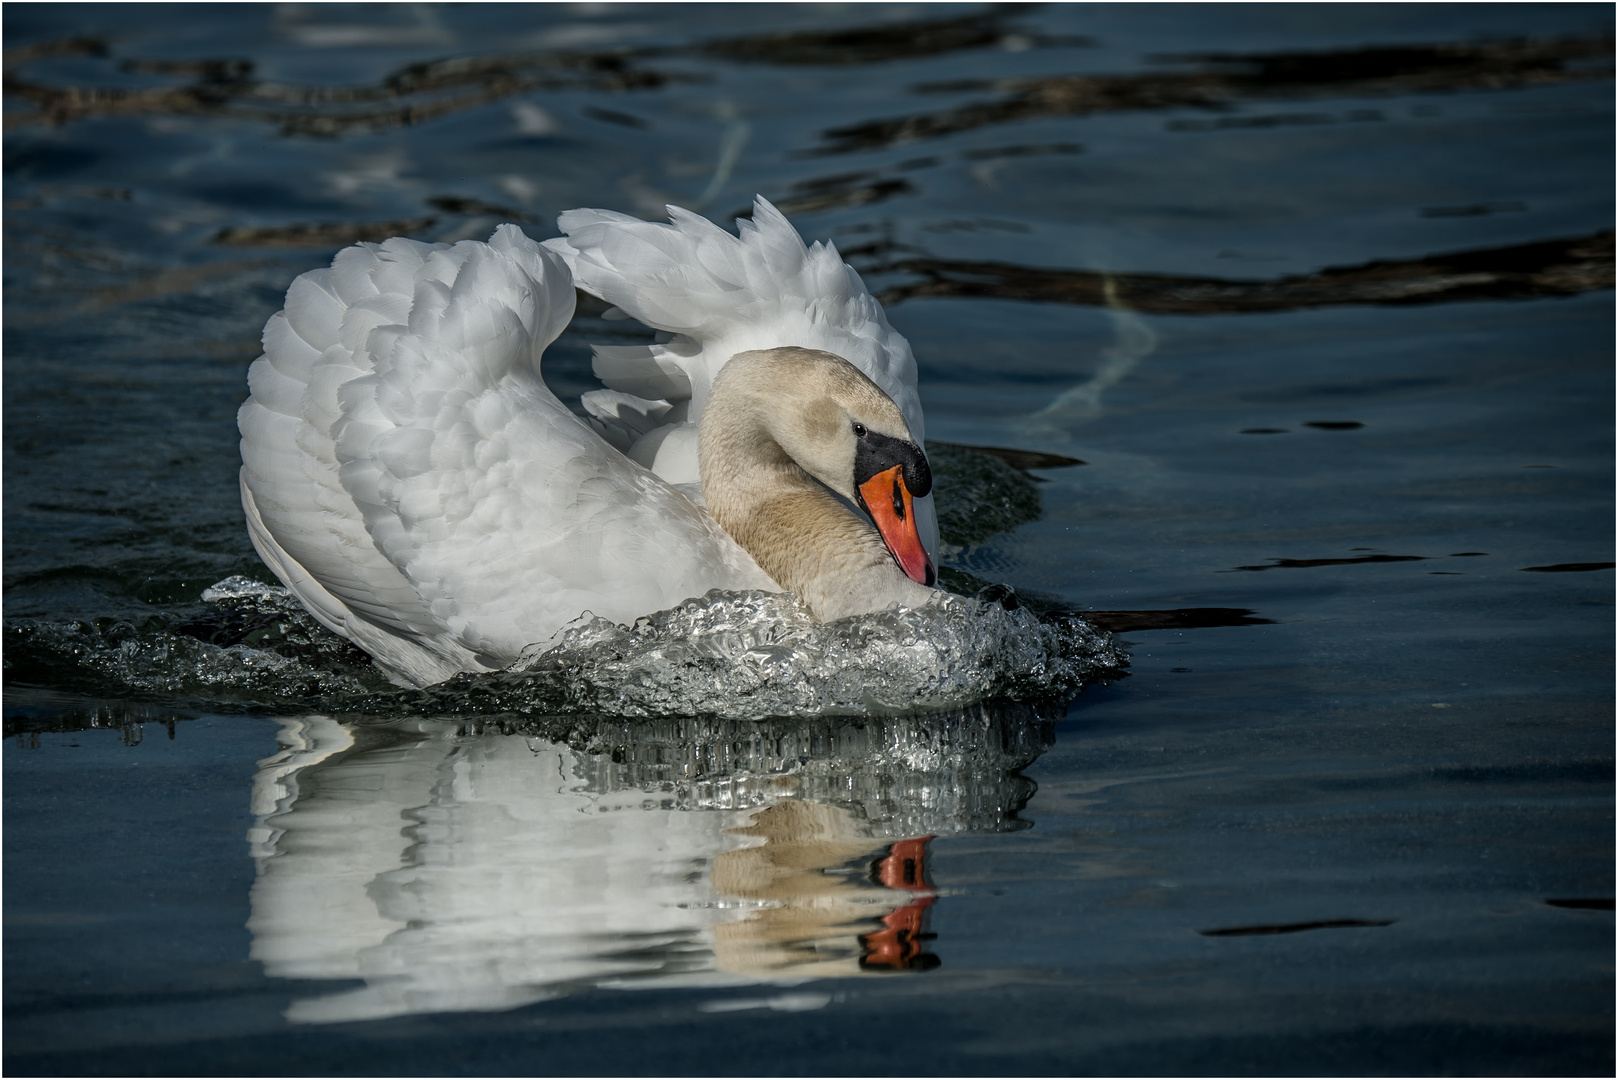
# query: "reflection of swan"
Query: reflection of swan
456,872
819,924
478,877
410,477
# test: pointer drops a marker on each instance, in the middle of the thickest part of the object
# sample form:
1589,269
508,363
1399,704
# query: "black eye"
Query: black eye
859,430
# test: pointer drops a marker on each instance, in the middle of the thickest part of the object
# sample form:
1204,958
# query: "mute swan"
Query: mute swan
409,476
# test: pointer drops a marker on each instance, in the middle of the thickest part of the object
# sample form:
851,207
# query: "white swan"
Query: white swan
409,476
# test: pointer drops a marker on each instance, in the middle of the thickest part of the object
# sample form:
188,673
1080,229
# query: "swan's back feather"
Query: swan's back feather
410,477
622,418
760,289
715,295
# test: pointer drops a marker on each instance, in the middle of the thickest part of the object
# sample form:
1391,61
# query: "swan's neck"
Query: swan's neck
801,534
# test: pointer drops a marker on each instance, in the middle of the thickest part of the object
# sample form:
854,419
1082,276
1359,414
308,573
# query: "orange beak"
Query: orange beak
887,500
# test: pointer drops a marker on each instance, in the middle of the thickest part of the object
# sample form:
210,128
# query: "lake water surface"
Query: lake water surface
1288,309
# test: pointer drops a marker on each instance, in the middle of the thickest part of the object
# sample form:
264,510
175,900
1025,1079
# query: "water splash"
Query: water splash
758,654
934,773
740,655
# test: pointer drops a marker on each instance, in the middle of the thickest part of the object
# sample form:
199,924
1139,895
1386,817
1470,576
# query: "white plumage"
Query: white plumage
407,473
715,295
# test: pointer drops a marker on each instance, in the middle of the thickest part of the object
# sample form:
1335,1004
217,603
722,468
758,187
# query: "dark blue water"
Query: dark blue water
1320,295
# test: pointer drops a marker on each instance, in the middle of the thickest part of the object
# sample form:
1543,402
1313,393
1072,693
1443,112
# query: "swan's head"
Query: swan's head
837,425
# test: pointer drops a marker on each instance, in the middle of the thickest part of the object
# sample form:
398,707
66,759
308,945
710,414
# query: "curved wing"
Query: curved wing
408,474
715,295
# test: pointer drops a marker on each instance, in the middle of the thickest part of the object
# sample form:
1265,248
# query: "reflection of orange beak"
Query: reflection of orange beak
905,865
887,500
900,944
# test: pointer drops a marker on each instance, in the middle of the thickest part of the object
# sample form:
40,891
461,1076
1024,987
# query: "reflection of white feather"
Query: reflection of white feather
714,295
455,872
479,874
410,477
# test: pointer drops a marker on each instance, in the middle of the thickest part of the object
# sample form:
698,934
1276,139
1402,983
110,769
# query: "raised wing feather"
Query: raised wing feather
408,474
303,523
715,295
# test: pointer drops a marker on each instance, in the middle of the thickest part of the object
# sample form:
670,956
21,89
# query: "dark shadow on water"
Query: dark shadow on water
322,235
835,193
980,494
423,91
1225,80
1474,209
1279,564
411,95
881,44
1296,928
1564,267
1017,459
1120,622
457,204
